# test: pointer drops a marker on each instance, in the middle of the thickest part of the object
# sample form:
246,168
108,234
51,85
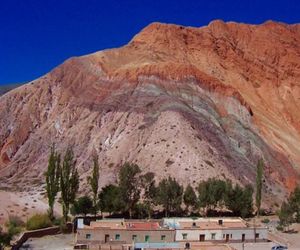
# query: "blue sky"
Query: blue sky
37,35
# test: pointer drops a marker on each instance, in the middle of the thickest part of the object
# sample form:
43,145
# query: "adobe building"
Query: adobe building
215,230
120,232
169,233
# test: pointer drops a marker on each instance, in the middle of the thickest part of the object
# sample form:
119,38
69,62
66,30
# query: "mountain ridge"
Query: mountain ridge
188,102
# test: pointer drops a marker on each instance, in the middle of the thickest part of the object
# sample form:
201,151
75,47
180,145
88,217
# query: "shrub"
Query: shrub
5,238
279,228
265,221
57,221
38,221
14,225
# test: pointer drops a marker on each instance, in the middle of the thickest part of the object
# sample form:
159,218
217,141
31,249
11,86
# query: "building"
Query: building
169,233
120,232
215,230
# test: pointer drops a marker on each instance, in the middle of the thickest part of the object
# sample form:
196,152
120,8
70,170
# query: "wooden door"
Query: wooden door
106,239
202,237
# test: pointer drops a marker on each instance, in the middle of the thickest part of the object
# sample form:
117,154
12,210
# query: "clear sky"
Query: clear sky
37,35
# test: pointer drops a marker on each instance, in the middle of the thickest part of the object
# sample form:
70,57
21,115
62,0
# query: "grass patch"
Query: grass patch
38,221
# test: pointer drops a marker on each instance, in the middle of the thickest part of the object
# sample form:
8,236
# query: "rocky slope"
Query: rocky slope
188,102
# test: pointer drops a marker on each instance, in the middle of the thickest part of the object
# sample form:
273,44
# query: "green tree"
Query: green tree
211,193
203,195
169,195
140,210
239,200
52,179
285,215
69,182
129,186
259,183
148,184
93,181
294,201
109,199
83,205
190,198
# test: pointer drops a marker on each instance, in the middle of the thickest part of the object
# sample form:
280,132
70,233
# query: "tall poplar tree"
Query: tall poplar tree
52,179
259,183
93,181
69,182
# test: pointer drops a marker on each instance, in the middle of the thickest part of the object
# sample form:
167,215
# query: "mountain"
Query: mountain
188,102
8,87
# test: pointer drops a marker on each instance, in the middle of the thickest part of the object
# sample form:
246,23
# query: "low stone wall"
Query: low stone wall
39,233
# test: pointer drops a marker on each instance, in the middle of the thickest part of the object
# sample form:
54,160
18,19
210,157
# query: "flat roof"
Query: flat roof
143,225
171,224
122,225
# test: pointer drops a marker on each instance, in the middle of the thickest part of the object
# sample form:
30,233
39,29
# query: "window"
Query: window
88,236
213,236
194,224
231,236
134,237
256,235
117,237
163,237
147,238
184,236
243,237
223,236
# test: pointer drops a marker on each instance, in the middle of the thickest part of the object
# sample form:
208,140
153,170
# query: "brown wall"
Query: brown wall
37,234
98,235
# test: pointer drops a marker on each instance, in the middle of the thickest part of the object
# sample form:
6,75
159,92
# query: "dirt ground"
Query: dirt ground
292,240
56,242
23,205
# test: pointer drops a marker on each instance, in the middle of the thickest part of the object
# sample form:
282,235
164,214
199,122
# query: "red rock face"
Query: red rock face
188,102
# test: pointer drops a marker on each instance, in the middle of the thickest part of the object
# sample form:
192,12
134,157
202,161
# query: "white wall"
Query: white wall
194,234
234,234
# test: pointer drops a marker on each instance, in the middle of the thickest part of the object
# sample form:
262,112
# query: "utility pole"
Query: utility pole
254,227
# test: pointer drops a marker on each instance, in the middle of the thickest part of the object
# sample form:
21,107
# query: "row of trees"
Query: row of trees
140,194
63,177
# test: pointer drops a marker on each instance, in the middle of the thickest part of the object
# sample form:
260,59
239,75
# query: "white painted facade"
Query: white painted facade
220,235
209,229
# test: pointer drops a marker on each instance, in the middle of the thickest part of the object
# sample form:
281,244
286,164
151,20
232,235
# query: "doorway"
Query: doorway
202,237
243,237
227,237
106,238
